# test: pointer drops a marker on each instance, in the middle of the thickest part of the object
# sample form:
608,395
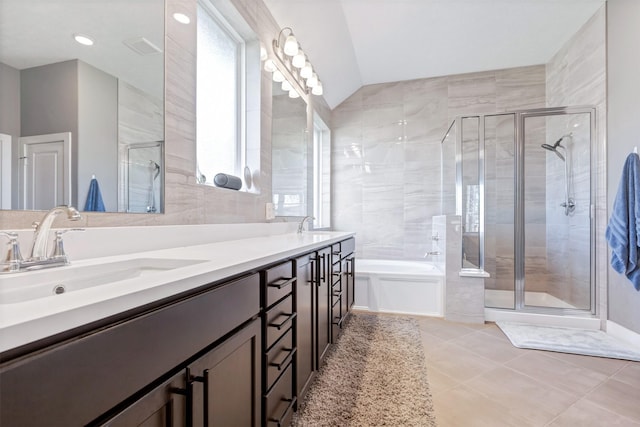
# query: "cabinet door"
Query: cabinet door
351,280
323,306
162,407
305,334
227,381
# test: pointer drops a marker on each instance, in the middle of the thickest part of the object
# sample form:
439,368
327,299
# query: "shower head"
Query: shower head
555,146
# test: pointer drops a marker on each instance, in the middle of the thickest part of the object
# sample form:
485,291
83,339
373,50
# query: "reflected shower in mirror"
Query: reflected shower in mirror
71,111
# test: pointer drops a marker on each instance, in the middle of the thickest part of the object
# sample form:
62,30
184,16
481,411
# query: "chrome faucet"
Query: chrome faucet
39,256
40,246
301,225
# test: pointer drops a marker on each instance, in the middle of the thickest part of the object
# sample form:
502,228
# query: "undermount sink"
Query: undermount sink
27,286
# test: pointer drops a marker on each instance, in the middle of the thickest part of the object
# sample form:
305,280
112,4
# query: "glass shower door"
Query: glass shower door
553,222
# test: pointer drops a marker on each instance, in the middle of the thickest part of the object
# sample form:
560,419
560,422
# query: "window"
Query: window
228,80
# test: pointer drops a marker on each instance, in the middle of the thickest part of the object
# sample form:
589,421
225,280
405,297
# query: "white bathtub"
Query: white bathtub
396,286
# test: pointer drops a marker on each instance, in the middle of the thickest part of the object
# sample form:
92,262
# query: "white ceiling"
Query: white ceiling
352,43
38,32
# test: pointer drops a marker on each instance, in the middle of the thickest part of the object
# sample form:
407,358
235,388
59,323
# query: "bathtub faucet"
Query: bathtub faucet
301,225
434,253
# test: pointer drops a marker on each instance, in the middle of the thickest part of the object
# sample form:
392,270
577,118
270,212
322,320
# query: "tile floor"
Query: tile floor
478,378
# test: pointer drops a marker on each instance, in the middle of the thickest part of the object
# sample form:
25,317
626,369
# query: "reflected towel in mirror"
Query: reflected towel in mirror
94,201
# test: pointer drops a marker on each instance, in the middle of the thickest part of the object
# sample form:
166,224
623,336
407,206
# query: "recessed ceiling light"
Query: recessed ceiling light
181,18
83,39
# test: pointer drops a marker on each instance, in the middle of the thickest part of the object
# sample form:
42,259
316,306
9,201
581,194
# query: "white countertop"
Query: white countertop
25,322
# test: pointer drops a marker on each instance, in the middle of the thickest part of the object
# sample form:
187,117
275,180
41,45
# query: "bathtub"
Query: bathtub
396,286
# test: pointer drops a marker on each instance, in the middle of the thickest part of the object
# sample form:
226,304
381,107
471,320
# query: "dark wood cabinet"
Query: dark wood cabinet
313,302
226,381
220,388
162,407
90,379
323,303
237,353
305,303
279,349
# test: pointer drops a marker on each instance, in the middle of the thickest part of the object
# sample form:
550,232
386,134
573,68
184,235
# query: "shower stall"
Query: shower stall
523,186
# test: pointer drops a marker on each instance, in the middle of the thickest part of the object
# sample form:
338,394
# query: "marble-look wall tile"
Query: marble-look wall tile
576,75
387,156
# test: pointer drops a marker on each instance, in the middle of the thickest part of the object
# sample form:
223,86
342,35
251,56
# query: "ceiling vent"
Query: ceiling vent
142,46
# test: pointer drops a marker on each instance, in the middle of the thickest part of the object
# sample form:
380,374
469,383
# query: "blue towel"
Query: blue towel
94,201
623,230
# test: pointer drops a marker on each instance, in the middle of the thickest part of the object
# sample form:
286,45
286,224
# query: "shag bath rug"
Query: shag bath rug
375,375
568,340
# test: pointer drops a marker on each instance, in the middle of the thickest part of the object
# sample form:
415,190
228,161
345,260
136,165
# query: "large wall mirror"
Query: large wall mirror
290,152
71,112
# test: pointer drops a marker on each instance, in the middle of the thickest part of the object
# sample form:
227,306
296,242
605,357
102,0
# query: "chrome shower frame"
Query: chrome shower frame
519,203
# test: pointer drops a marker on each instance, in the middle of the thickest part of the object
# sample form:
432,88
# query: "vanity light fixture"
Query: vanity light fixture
286,86
299,60
270,66
278,77
83,39
181,18
317,89
289,54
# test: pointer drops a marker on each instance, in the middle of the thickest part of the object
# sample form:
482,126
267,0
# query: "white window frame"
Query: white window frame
225,15
321,137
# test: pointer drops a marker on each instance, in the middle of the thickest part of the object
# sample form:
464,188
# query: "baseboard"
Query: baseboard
623,334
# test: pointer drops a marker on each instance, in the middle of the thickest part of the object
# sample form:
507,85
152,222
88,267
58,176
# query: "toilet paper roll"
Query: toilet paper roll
227,181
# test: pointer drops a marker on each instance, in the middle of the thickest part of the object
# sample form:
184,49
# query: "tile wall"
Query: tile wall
386,164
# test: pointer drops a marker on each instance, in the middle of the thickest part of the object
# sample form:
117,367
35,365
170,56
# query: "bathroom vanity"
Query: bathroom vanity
219,342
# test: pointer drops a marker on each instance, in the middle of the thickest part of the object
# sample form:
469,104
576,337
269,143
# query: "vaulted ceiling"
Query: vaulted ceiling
352,43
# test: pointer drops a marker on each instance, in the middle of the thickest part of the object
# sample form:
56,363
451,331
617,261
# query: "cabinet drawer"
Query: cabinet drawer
278,283
348,246
278,320
279,402
279,357
335,253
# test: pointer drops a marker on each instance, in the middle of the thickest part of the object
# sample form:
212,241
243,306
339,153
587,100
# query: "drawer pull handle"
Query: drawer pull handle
279,421
289,316
286,360
281,283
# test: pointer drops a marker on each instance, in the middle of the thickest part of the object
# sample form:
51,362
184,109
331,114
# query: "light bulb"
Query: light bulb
290,45
317,90
299,60
270,66
263,53
278,77
306,71
312,81
286,86
294,94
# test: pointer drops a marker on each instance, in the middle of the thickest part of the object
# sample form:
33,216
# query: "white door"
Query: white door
46,171
5,171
